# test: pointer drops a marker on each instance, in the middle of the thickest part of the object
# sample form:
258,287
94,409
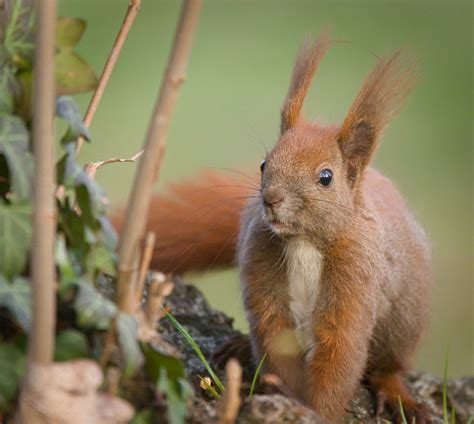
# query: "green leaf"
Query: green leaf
127,329
168,373
101,259
93,309
145,416
15,237
68,110
19,34
70,344
7,83
72,175
63,262
177,392
16,298
12,367
14,146
73,74
69,30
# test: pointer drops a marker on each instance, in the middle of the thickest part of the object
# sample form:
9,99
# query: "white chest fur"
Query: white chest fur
304,263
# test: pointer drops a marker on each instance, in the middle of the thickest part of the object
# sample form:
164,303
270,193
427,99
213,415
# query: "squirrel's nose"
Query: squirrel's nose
273,199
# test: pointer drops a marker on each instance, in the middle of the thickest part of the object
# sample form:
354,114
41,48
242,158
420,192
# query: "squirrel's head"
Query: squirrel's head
311,179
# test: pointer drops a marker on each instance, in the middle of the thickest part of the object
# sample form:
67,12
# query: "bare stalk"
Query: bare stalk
144,267
41,341
160,288
131,14
230,402
147,173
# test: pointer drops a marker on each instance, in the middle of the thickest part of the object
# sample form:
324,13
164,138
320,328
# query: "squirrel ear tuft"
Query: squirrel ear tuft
379,100
307,62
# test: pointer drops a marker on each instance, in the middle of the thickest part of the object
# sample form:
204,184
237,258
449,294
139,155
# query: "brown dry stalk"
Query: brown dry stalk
230,403
146,175
132,10
160,287
144,267
41,341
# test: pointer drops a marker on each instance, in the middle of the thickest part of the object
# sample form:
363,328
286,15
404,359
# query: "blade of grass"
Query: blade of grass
196,349
453,415
257,373
445,389
404,418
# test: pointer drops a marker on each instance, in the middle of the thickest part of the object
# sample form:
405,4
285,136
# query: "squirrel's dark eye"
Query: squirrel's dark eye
262,166
325,177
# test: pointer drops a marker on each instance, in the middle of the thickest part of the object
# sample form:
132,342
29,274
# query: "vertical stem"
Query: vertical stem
132,10
140,196
41,342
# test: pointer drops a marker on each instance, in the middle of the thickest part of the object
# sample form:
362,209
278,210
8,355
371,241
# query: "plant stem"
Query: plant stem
147,173
229,406
41,342
131,14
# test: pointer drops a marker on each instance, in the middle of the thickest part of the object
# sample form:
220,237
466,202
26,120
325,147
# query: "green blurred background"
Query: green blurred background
229,107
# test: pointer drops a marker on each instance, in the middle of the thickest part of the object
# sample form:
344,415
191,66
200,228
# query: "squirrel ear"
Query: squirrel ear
380,98
307,62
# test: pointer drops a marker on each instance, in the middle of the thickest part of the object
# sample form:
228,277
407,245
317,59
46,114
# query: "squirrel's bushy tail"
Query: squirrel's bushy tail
196,223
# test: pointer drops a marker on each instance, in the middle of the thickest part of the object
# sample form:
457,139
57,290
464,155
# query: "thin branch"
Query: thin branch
41,342
147,173
92,167
144,267
132,10
230,403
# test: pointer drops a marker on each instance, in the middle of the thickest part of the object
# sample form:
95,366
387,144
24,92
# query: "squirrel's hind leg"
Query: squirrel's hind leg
389,390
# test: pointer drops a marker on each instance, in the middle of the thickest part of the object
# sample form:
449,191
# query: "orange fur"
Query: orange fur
372,261
196,223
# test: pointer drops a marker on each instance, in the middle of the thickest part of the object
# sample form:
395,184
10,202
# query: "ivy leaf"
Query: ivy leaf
127,329
12,367
93,309
101,259
14,146
70,344
18,34
7,83
69,31
68,110
63,262
73,75
145,416
72,175
16,298
168,374
15,237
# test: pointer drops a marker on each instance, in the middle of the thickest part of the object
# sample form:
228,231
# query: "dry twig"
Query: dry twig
132,10
230,403
92,167
139,201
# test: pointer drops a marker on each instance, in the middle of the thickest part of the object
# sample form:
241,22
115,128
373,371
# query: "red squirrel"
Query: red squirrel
334,269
